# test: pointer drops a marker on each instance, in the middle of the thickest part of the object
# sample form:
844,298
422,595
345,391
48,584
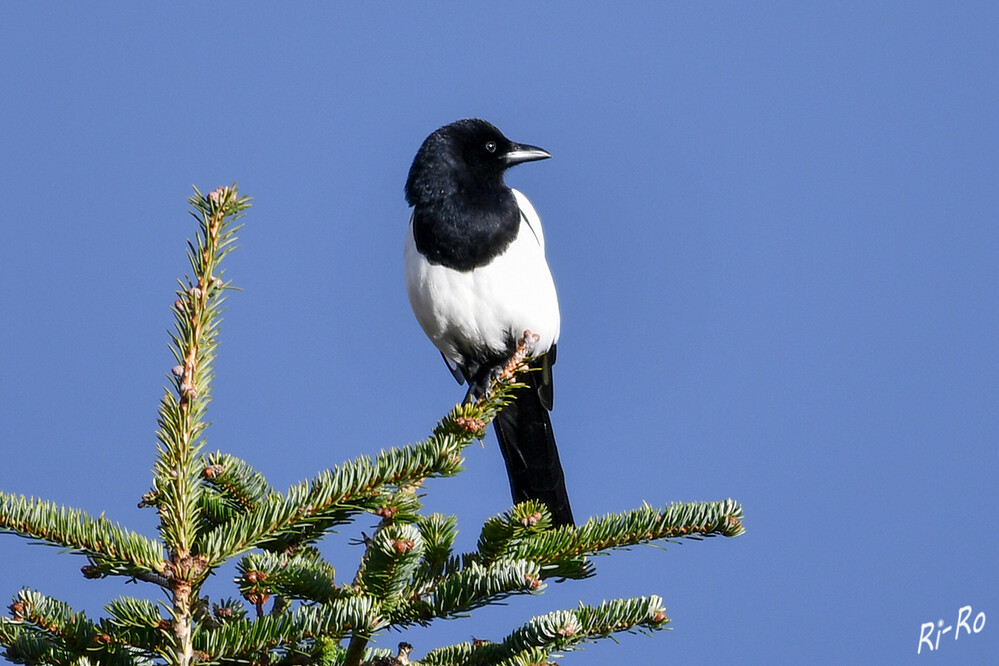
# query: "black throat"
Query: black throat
467,229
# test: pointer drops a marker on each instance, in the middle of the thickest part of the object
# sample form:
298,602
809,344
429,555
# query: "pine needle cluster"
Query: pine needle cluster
291,609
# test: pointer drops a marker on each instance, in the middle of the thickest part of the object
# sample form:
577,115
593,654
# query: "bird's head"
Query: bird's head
467,155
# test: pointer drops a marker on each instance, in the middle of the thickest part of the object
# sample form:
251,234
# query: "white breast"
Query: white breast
488,306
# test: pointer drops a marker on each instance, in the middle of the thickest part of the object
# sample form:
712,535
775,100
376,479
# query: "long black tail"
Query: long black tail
527,442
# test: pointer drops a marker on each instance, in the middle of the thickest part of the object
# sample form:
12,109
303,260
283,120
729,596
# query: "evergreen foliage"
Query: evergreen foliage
214,507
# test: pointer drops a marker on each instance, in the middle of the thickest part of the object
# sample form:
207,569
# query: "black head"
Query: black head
466,156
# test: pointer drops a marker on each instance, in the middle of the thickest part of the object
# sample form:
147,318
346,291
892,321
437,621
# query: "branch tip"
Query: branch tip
517,362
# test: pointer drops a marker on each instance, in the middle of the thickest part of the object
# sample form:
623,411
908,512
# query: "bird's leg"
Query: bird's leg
479,383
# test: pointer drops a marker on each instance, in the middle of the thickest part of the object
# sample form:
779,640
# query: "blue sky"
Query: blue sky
773,231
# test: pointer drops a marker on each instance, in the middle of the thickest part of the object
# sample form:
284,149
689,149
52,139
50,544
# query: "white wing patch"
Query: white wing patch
530,216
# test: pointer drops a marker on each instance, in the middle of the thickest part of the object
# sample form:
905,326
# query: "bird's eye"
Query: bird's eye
490,146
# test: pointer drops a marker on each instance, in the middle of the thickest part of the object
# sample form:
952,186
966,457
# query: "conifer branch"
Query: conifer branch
132,612
246,639
564,550
177,488
197,314
438,533
535,641
304,576
472,587
44,630
309,510
393,556
30,645
407,469
383,555
136,622
112,548
230,488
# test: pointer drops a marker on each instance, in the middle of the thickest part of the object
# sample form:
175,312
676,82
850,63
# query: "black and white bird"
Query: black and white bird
477,279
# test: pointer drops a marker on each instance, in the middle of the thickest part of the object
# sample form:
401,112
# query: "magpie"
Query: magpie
477,279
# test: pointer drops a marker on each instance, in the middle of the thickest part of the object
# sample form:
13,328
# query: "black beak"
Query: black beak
520,152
